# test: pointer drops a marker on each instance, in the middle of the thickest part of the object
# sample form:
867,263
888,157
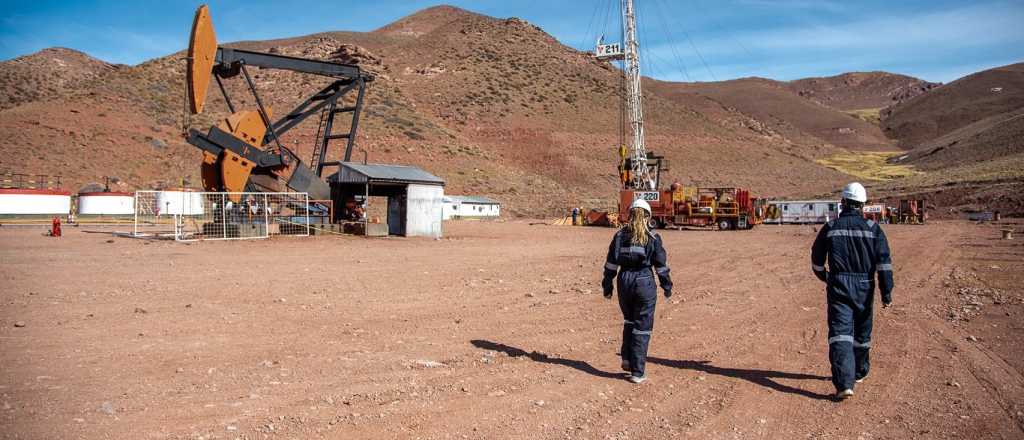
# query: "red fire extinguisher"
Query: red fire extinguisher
55,229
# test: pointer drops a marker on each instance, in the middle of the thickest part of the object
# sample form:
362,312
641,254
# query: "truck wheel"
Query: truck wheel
724,225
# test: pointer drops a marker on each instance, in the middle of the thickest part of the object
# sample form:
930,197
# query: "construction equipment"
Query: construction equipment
245,151
908,211
640,170
725,208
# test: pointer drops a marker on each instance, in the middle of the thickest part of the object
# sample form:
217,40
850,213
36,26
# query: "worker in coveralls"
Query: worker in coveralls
632,253
856,250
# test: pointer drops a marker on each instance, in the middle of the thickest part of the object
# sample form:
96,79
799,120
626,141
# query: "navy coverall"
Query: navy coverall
637,291
856,250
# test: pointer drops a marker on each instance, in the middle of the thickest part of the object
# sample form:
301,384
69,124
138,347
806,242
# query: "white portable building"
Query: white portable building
456,207
803,211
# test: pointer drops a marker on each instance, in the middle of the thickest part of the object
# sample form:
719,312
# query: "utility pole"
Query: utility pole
640,175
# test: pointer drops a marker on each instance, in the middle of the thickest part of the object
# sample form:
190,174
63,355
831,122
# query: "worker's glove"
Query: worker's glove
886,304
668,294
608,294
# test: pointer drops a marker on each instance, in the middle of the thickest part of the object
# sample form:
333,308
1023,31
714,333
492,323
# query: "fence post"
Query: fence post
305,196
223,217
135,225
266,216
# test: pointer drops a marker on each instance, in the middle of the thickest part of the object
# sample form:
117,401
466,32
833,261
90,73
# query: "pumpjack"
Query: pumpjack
244,151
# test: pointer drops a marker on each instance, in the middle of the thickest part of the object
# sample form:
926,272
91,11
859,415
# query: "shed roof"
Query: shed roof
353,172
479,200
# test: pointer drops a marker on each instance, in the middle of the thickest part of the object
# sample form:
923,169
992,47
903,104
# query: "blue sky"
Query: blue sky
700,40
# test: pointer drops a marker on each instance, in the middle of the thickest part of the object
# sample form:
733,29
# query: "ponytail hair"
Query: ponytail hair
639,226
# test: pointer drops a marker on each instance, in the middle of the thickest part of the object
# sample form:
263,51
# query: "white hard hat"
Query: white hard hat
855,192
642,204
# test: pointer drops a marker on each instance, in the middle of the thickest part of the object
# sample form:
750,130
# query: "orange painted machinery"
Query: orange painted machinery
726,208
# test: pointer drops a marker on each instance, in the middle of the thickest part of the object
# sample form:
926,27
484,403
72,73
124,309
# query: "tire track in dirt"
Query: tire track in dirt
490,334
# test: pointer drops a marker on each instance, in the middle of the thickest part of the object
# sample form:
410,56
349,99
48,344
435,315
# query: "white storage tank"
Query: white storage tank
106,203
179,202
29,201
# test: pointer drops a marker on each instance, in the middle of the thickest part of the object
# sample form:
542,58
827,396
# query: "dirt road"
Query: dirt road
498,331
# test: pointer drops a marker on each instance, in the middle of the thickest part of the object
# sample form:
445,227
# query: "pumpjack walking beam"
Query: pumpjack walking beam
241,153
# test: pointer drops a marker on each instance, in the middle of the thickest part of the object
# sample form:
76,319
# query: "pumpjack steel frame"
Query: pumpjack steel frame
278,160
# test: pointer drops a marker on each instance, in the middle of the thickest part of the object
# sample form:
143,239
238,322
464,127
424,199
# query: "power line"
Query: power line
671,42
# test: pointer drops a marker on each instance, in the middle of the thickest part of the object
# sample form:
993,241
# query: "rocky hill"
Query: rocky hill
47,74
968,137
802,120
495,106
966,101
861,90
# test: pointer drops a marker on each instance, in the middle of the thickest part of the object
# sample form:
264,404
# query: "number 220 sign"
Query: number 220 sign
650,196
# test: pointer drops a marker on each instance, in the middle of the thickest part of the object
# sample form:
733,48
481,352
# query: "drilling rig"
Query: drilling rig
244,152
640,170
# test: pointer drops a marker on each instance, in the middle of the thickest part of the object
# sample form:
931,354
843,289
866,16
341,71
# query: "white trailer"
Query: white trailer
802,211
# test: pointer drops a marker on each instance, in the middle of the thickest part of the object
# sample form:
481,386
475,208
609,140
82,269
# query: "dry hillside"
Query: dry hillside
958,104
968,138
536,129
802,120
456,94
47,74
861,90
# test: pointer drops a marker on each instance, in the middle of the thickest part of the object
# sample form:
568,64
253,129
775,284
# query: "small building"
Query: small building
802,211
456,207
414,197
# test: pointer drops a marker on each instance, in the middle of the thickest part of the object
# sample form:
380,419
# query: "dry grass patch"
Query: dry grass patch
869,115
870,165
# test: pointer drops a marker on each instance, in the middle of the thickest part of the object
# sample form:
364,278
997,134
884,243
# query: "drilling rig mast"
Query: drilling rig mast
640,175
639,170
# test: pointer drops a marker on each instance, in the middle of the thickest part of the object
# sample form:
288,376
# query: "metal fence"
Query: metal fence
191,215
20,180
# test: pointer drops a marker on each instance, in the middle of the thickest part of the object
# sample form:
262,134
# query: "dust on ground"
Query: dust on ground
497,331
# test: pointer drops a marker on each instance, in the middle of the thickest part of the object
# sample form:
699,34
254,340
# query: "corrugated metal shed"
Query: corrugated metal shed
478,200
352,172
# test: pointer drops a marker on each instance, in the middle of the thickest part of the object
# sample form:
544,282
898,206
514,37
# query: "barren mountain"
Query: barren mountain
861,90
47,74
968,137
457,94
956,105
801,120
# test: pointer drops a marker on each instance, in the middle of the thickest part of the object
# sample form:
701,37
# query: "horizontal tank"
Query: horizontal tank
179,203
20,201
106,203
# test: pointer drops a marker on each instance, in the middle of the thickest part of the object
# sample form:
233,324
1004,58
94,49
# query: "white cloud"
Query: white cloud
939,44
964,27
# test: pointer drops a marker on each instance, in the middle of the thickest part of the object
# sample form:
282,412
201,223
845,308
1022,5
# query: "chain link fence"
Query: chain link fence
192,215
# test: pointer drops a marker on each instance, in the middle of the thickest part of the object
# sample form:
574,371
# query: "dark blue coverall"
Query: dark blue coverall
637,291
856,250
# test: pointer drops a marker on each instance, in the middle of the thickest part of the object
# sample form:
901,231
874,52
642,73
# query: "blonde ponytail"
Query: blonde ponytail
639,226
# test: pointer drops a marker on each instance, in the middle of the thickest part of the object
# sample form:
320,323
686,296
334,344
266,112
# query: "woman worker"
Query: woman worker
632,253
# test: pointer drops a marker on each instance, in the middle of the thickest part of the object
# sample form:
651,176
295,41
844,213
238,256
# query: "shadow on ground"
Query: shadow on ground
545,359
765,378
